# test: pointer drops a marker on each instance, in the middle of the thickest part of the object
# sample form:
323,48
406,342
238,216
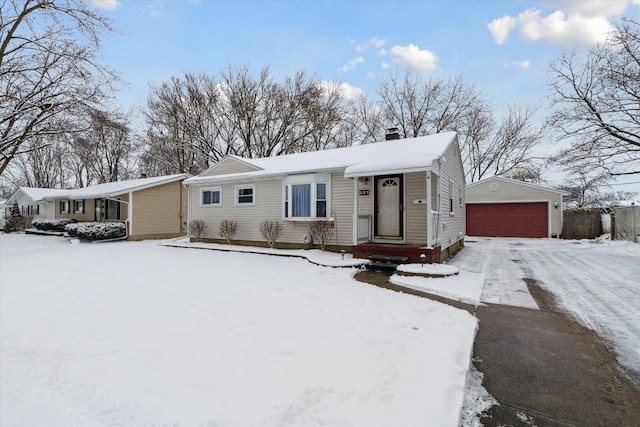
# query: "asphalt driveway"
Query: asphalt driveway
596,283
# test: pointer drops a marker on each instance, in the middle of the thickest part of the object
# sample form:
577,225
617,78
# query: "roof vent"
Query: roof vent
392,133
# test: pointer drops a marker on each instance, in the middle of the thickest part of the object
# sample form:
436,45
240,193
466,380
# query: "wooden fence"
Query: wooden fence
625,223
581,224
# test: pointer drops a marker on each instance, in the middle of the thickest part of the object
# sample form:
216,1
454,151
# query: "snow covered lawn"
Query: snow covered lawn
597,281
132,333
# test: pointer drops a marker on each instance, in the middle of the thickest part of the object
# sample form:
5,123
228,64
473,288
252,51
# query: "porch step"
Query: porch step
385,262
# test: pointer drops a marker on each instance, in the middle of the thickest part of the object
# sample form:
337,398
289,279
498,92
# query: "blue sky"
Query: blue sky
503,46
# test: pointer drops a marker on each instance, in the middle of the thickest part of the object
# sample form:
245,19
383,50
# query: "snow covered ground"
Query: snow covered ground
133,333
597,281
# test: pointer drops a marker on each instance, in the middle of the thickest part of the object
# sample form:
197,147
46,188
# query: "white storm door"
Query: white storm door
388,199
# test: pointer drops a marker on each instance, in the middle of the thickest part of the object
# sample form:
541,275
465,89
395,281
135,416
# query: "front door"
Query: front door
388,200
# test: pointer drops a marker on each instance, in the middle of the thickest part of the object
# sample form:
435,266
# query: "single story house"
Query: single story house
503,207
152,208
395,197
34,202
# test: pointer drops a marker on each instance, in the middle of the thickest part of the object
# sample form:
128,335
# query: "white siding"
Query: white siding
415,185
452,226
46,209
269,206
229,165
342,206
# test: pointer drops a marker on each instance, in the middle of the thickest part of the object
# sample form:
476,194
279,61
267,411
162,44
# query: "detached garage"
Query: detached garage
502,207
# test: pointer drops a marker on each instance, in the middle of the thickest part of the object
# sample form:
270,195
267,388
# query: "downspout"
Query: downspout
188,208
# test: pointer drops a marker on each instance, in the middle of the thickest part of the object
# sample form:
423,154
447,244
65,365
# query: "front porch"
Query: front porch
412,252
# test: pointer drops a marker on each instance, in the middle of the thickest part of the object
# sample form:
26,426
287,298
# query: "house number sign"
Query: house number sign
364,192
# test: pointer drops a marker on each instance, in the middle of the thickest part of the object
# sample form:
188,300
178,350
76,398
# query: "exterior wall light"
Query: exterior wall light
555,205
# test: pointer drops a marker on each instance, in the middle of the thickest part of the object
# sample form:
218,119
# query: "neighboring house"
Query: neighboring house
34,202
151,207
394,197
502,207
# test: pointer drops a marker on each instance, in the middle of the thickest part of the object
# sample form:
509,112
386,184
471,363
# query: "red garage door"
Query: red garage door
508,219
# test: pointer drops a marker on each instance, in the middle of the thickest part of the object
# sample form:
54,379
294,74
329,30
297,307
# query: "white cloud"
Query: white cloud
593,7
375,42
352,64
347,91
386,65
572,23
350,92
501,27
414,56
563,29
105,4
519,64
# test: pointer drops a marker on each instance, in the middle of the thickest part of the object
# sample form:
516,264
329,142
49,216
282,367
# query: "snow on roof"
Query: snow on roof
109,189
359,160
38,194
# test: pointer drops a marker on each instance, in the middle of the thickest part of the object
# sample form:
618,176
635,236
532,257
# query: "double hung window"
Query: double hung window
64,206
245,195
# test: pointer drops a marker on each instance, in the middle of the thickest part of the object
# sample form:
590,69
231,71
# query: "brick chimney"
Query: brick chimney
392,133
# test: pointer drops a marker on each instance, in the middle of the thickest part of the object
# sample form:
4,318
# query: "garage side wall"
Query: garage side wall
505,191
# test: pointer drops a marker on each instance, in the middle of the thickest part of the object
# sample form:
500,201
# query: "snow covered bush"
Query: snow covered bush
228,229
197,228
16,221
321,232
97,230
52,224
271,231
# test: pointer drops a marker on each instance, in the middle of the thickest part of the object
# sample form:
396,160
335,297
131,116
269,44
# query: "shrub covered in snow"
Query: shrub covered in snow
52,224
16,221
97,230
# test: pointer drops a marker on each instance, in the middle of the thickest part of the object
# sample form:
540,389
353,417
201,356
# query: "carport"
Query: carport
502,207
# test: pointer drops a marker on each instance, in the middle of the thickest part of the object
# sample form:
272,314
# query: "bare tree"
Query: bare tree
597,104
368,120
45,167
489,149
49,70
489,146
584,190
421,107
184,126
196,120
106,148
